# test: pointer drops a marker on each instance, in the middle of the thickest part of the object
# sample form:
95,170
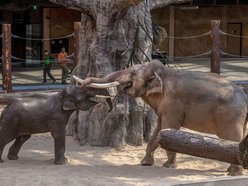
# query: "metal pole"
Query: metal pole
6,64
215,54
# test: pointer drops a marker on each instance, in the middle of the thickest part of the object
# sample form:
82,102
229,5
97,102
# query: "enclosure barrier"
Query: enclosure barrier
215,52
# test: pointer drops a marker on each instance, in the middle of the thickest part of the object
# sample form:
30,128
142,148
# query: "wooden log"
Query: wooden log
201,146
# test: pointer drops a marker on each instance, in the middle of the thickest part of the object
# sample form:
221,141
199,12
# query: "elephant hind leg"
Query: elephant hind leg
235,170
1,152
3,141
15,148
233,134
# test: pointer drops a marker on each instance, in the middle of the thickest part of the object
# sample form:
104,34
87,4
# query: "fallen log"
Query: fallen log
205,146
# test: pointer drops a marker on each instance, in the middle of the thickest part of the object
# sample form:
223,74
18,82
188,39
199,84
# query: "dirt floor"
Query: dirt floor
100,166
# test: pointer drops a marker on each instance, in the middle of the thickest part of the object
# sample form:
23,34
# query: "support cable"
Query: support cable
42,39
232,35
188,37
41,61
232,55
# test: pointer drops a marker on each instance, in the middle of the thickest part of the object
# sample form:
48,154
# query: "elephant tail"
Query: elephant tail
4,111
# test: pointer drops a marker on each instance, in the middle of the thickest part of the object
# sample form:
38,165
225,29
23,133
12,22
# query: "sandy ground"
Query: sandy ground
99,166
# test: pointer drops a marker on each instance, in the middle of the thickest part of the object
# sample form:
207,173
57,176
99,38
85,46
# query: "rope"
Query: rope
39,61
43,39
167,60
189,37
194,56
21,59
142,51
232,35
232,55
147,34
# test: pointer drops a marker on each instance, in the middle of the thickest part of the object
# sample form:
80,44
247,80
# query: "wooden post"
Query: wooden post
215,55
46,20
6,64
172,32
201,146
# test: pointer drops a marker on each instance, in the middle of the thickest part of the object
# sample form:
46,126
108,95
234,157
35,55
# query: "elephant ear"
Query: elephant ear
154,85
69,102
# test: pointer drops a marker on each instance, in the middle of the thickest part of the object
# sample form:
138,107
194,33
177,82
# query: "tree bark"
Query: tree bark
113,38
203,146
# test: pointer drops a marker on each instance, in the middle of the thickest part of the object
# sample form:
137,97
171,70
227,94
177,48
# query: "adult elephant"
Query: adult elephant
40,113
203,102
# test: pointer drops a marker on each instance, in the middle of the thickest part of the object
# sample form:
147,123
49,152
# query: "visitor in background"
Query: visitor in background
63,59
47,67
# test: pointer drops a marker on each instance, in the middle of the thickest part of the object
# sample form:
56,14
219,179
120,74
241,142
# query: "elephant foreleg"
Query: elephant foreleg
15,148
151,147
59,145
60,158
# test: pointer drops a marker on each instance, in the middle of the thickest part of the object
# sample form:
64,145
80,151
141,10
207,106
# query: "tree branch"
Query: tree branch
122,4
81,5
161,3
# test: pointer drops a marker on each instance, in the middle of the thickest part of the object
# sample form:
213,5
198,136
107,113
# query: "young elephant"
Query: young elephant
203,102
43,113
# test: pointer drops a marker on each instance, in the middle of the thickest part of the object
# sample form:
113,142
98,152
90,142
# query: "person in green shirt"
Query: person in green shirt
47,67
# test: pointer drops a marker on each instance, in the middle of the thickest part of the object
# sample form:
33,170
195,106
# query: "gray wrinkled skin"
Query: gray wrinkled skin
203,102
40,113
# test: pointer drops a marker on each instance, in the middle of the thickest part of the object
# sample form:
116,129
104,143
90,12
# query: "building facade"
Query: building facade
29,27
193,19
188,19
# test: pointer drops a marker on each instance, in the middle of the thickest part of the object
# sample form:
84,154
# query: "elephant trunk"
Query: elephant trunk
103,93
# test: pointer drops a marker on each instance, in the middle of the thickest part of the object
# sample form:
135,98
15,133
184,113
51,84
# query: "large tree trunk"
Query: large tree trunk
113,39
115,34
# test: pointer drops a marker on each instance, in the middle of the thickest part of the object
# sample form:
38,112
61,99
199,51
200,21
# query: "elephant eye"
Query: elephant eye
70,98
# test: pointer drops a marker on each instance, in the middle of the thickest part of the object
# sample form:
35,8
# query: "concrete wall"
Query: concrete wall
195,22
